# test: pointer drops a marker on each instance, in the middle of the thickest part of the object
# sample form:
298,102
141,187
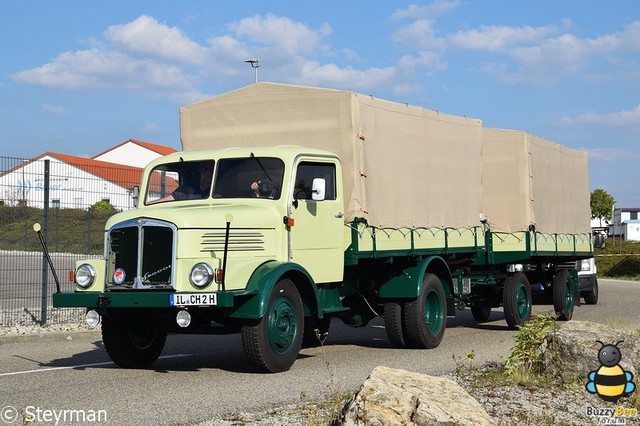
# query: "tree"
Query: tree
601,205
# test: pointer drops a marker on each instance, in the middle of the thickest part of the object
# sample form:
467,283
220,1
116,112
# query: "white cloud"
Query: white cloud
626,118
498,38
280,33
55,109
421,34
433,10
146,36
332,75
616,155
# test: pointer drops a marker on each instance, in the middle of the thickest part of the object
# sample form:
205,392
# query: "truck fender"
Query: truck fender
408,284
262,281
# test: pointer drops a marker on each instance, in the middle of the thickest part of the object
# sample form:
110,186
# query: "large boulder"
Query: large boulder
572,350
390,396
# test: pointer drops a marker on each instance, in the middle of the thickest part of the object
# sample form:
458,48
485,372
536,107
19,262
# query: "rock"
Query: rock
573,349
391,396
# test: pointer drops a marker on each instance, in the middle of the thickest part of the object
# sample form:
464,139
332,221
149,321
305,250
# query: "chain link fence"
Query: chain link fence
72,202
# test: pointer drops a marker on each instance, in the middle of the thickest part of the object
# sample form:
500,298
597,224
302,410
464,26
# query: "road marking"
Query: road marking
95,364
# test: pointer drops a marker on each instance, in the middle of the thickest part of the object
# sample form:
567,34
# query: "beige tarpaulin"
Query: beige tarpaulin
404,166
528,180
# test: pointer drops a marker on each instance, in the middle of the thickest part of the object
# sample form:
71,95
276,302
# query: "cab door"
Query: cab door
317,234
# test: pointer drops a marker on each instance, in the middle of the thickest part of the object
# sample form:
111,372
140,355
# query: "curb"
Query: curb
54,336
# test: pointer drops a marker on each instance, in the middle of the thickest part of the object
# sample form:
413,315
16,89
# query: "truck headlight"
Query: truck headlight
85,275
585,265
201,275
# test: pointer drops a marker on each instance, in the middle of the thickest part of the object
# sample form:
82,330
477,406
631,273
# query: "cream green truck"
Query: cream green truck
291,205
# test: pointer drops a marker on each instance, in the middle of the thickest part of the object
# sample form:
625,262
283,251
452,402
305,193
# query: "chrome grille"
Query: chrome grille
144,251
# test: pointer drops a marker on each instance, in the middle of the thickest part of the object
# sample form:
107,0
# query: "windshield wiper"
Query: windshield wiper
262,167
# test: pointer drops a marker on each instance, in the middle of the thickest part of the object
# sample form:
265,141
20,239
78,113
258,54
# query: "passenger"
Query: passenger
190,189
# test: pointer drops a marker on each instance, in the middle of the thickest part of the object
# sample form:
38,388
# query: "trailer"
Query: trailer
292,205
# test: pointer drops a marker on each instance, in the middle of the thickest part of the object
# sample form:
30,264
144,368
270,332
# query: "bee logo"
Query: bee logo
610,382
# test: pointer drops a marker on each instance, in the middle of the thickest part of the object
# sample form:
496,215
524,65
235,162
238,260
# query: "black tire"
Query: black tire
315,331
273,343
591,297
131,339
425,318
516,300
481,311
562,288
393,324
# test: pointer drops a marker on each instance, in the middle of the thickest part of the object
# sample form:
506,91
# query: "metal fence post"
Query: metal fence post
45,264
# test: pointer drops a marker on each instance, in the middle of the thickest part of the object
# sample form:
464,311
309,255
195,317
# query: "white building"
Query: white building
78,182
620,217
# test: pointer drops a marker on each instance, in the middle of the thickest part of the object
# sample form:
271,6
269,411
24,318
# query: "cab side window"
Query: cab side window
307,171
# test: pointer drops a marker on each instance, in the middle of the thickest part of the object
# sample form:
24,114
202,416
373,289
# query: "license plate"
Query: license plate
193,299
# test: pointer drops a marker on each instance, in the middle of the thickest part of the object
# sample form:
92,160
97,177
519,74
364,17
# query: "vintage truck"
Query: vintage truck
292,205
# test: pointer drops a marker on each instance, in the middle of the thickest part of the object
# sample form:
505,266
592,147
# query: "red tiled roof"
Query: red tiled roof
160,149
124,176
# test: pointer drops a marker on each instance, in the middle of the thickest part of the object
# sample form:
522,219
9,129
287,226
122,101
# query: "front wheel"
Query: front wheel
425,318
131,339
562,287
272,344
516,300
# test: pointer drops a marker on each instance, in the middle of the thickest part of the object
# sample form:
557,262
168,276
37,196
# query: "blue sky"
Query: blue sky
78,77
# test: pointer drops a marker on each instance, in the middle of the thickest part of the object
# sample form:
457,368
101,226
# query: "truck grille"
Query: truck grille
239,240
141,254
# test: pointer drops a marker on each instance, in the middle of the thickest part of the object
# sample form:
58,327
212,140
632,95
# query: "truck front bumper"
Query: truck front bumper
139,299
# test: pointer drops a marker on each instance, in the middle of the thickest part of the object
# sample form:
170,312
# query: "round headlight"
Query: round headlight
85,275
92,318
201,275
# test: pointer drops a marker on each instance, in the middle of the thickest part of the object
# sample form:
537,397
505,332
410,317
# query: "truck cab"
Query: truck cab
215,233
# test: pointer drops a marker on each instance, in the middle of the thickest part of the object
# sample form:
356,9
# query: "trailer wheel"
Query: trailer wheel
132,340
272,344
315,332
591,297
481,311
425,318
516,300
393,324
563,295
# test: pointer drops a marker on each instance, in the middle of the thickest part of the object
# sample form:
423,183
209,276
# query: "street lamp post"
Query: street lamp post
255,64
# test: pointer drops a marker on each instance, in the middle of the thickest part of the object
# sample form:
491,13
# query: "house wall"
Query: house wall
70,187
129,154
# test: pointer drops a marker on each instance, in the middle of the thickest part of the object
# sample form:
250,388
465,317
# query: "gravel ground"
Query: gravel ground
508,403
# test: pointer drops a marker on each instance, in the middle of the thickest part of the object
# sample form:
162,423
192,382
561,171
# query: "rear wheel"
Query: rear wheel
425,318
516,300
131,339
393,324
315,332
481,311
562,287
591,297
272,344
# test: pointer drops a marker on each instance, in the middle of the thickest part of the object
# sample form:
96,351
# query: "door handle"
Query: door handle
339,215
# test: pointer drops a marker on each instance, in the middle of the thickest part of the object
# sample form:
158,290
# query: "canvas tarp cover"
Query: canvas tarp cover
403,166
528,180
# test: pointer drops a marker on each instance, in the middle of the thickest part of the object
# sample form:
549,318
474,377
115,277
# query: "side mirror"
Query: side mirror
318,189
135,194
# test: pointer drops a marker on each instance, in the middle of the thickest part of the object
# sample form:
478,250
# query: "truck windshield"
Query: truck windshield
182,180
253,177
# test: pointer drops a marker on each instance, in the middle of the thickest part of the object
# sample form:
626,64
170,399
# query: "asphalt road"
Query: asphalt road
201,377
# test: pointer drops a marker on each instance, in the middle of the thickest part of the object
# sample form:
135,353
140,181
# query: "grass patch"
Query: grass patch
619,267
70,230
